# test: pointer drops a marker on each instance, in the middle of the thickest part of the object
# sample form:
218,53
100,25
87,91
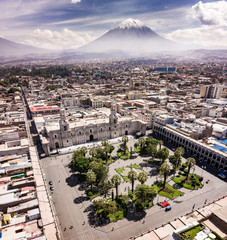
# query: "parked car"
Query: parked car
222,175
220,169
168,208
51,187
51,182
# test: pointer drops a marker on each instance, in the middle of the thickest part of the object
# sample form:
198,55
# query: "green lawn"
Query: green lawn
135,166
123,175
168,191
181,180
126,179
92,195
119,170
191,233
116,216
126,156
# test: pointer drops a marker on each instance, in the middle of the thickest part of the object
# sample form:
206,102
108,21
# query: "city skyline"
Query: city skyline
69,24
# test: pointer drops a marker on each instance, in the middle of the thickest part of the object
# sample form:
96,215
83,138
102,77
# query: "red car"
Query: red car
164,204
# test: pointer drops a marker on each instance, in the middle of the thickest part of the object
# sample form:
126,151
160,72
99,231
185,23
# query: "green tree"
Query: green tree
81,163
132,175
116,180
84,150
99,204
124,144
190,163
110,207
142,177
179,152
173,160
160,142
151,150
164,171
107,150
145,193
152,141
163,154
93,152
142,142
105,142
91,178
105,187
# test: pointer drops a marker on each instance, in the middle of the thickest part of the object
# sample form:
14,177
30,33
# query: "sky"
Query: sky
67,24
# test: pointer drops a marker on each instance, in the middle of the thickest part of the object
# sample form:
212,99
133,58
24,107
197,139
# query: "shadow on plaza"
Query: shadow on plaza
132,214
73,180
80,199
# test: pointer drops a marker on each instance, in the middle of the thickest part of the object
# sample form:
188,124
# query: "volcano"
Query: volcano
130,36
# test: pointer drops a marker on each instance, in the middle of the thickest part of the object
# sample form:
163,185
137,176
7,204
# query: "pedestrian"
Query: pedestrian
59,181
205,202
112,228
64,229
193,207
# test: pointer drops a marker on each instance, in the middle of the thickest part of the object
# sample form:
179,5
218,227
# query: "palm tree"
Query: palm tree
116,180
83,150
190,163
124,141
160,142
91,178
132,175
163,154
179,152
142,177
164,171
105,142
93,152
107,150
142,142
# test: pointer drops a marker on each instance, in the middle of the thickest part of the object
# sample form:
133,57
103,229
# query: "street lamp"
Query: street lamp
203,167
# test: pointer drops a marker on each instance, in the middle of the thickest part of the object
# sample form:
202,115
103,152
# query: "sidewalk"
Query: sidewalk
48,221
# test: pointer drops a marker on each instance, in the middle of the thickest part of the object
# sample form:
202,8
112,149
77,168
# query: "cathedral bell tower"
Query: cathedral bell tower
64,125
113,119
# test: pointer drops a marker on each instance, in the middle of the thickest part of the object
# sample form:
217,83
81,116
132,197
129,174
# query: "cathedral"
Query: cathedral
66,134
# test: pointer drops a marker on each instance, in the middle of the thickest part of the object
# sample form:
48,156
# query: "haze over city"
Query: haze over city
69,24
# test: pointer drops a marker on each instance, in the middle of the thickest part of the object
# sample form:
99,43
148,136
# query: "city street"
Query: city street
72,206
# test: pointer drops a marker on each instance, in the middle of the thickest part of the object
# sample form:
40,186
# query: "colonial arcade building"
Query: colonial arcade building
199,150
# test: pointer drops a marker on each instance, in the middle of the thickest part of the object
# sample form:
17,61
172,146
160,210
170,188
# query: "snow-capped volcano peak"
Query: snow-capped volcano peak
131,23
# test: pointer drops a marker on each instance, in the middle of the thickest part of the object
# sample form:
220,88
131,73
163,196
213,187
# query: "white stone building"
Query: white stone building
62,133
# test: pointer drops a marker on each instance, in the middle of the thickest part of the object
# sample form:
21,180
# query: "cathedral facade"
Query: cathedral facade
67,134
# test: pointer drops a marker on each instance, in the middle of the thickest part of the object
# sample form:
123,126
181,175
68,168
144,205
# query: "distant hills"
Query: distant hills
131,38
10,48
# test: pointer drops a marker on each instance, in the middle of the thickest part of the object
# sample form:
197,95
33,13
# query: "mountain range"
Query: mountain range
131,38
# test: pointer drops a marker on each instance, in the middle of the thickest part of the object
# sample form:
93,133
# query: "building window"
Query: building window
80,133
67,141
55,136
65,128
115,120
101,129
90,130
109,128
126,125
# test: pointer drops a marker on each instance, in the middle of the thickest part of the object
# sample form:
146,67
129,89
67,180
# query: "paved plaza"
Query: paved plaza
73,209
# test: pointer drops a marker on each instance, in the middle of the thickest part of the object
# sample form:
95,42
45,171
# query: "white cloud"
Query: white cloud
211,13
75,1
206,36
65,39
